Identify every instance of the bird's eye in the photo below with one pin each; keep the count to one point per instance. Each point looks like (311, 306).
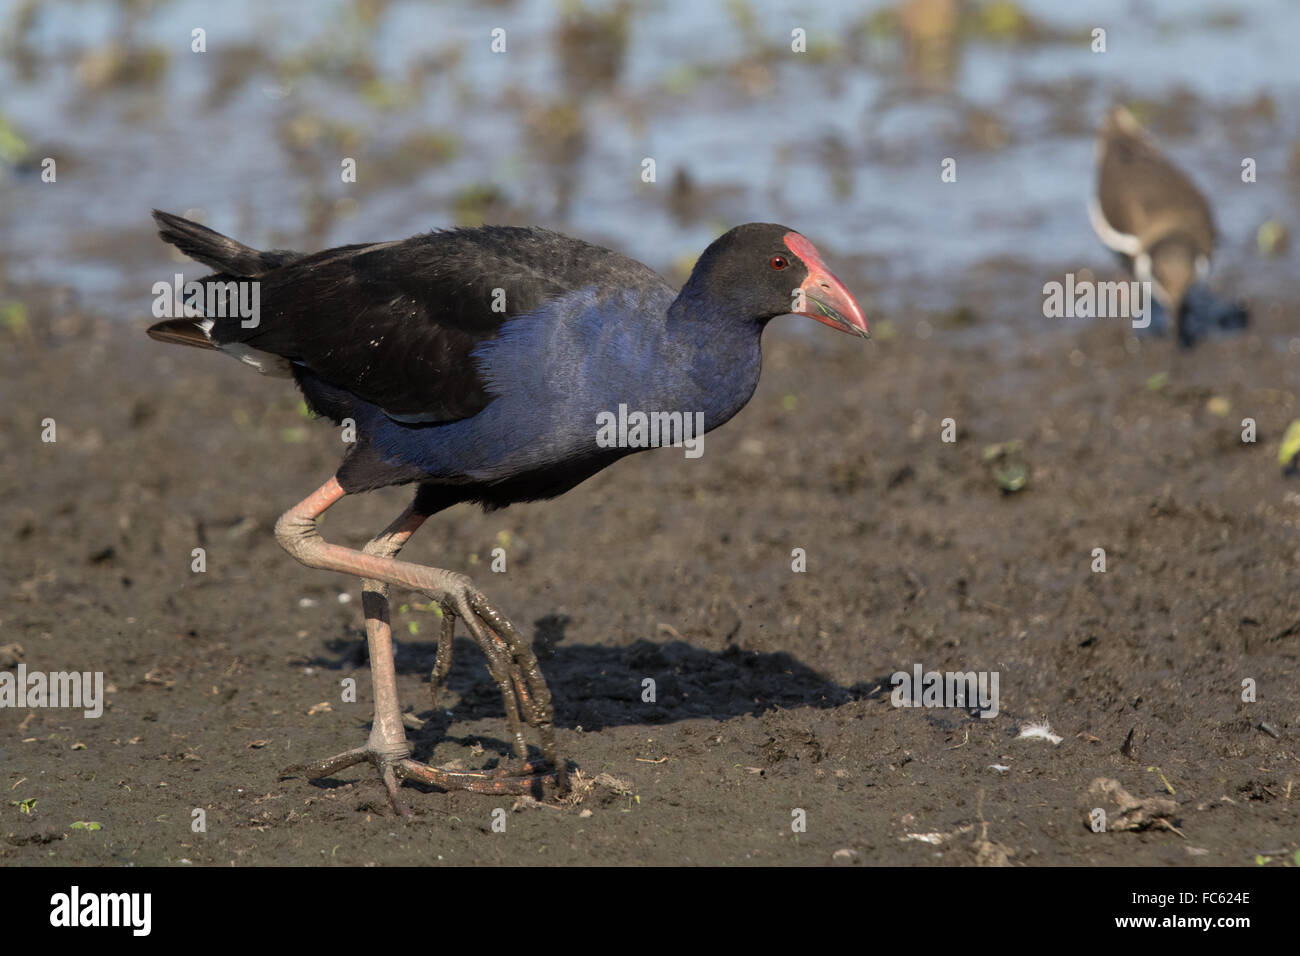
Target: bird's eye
(779, 263)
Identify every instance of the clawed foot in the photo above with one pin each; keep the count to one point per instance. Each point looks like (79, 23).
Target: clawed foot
(511, 662)
(524, 695)
(514, 778)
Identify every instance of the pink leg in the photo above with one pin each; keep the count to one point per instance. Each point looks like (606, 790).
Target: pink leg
(510, 660)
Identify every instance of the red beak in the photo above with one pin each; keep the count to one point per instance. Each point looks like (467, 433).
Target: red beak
(825, 297)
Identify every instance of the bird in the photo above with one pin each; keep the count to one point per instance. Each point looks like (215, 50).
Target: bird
(475, 364)
(1153, 217)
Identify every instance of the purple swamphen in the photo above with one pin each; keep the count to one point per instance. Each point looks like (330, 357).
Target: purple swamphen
(477, 364)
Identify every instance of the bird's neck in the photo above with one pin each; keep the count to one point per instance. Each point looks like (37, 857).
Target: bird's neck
(718, 355)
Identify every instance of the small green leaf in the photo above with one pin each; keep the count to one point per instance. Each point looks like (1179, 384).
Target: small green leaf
(13, 149)
(1012, 478)
(14, 318)
(1286, 455)
(1157, 382)
(1271, 238)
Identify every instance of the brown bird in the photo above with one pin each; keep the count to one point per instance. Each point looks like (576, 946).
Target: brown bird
(1154, 218)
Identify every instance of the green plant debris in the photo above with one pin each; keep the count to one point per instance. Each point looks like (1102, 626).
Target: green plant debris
(1007, 465)
(1012, 478)
(1290, 449)
(1163, 779)
(1272, 238)
(13, 148)
(14, 318)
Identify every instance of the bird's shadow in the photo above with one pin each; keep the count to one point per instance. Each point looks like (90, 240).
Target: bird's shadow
(596, 686)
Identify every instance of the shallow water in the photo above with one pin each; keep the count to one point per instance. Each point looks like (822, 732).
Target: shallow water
(842, 142)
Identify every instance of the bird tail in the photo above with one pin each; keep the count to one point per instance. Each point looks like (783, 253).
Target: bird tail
(181, 332)
(213, 249)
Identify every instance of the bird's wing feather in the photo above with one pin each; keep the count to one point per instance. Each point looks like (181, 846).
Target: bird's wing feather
(1143, 195)
(396, 324)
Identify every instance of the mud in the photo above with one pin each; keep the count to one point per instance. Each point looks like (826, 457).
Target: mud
(772, 687)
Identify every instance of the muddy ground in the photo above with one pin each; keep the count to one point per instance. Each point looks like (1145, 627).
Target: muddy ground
(769, 682)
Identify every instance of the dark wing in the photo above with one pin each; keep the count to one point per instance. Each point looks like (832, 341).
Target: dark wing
(396, 324)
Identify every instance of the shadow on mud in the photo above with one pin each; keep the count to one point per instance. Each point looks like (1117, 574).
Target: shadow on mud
(595, 686)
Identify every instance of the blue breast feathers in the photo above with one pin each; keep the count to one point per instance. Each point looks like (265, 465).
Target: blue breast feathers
(552, 372)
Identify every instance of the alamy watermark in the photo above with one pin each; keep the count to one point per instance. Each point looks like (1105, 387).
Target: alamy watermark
(82, 690)
(133, 911)
(640, 429)
(1086, 299)
(240, 299)
(967, 690)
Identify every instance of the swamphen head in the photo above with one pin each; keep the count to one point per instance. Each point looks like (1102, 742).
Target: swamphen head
(761, 270)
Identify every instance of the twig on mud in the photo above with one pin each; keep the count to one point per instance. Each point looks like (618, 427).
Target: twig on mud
(525, 800)
(987, 852)
(935, 837)
(918, 589)
(1168, 785)
(1166, 825)
(1126, 748)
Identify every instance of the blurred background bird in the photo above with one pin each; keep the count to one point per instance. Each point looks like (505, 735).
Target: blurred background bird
(1160, 225)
